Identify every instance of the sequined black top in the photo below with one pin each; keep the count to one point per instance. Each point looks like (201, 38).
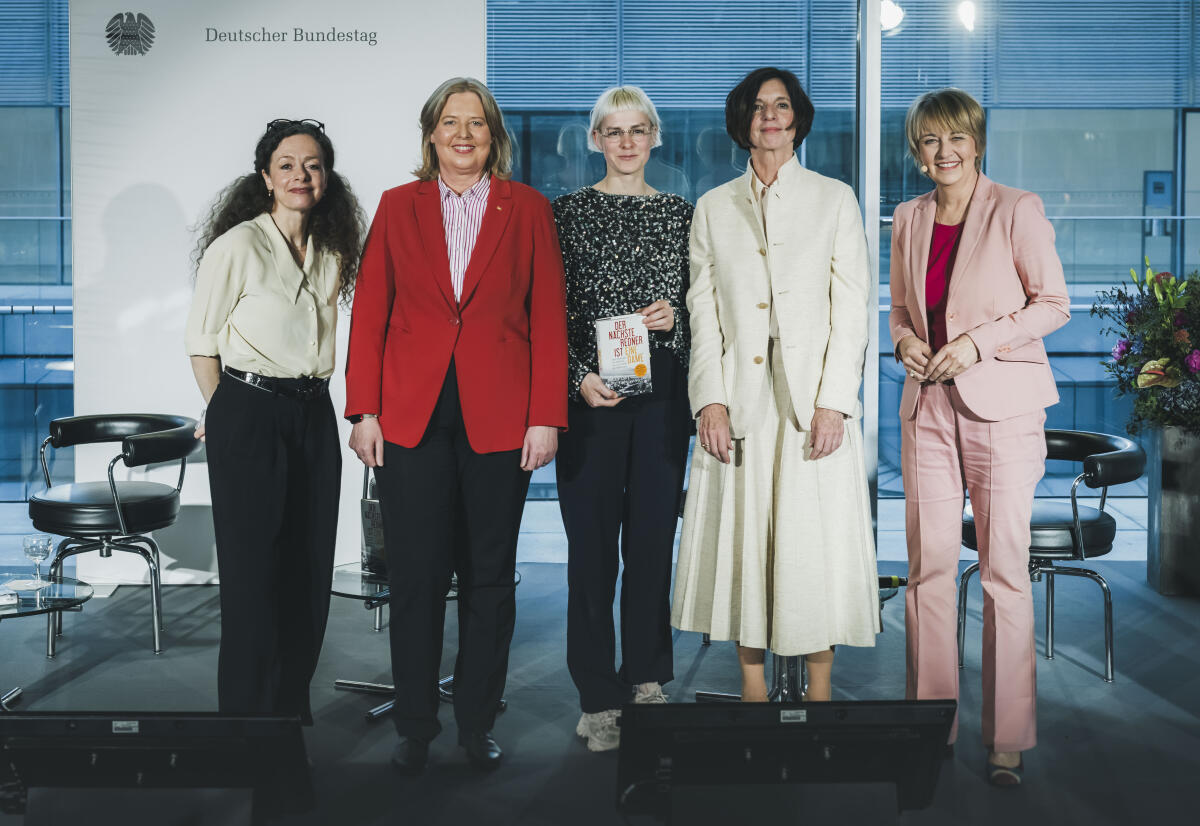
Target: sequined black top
(621, 253)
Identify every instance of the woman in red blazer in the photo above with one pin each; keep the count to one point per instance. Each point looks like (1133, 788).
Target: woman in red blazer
(976, 284)
(456, 381)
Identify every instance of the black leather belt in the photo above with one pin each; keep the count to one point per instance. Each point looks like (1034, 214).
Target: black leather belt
(304, 388)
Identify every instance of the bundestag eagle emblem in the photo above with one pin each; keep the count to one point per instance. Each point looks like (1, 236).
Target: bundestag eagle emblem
(128, 34)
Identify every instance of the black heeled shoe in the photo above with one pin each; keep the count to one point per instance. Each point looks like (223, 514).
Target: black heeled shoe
(482, 750)
(410, 755)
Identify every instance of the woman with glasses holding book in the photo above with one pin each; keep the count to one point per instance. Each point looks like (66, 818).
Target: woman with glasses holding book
(777, 550)
(278, 249)
(621, 461)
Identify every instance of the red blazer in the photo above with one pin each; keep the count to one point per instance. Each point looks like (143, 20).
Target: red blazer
(1007, 292)
(508, 335)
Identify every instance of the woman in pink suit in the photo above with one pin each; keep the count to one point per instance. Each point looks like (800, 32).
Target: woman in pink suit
(976, 284)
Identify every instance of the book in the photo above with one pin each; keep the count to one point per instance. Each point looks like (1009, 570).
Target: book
(623, 354)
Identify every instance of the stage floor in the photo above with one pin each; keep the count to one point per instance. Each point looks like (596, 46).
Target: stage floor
(1115, 753)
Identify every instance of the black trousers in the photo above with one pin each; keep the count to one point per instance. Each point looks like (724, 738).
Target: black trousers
(274, 466)
(448, 509)
(620, 472)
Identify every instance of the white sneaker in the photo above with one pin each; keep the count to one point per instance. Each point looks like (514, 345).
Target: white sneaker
(650, 693)
(602, 730)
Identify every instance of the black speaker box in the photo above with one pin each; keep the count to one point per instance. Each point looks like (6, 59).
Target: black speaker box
(170, 768)
(745, 754)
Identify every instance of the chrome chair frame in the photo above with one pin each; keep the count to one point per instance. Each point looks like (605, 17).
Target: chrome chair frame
(789, 674)
(106, 543)
(445, 685)
(1040, 566)
(789, 682)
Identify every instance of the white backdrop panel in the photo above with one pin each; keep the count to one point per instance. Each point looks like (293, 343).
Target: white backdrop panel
(156, 135)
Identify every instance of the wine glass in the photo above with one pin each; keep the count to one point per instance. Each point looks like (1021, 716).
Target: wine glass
(37, 548)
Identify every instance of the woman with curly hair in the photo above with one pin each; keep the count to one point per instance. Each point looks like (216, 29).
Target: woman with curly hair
(278, 248)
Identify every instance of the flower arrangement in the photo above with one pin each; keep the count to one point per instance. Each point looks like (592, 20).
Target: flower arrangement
(1157, 355)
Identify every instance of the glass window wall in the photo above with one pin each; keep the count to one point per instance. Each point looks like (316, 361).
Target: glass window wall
(1086, 107)
(36, 367)
(1080, 130)
(687, 56)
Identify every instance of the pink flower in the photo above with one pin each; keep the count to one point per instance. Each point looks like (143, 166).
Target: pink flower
(1120, 349)
(1193, 361)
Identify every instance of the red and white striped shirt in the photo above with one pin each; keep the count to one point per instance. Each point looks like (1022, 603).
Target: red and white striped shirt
(462, 215)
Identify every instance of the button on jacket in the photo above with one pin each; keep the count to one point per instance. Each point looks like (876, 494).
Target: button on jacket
(1007, 292)
(257, 311)
(742, 277)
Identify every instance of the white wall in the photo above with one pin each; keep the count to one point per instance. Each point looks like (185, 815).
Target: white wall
(155, 136)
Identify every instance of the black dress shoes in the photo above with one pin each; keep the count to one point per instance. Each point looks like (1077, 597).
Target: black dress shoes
(410, 755)
(482, 750)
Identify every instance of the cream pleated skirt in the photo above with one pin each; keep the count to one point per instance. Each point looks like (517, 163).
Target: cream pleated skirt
(776, 550)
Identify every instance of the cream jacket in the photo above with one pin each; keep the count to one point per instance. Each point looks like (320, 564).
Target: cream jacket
(815, 272)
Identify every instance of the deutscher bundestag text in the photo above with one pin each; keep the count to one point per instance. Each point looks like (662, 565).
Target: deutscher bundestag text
(296, 35)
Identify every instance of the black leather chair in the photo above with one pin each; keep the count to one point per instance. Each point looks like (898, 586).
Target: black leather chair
(112, 515)
(1069, 532)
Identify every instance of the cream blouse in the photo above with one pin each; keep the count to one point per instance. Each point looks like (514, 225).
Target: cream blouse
(259, 312)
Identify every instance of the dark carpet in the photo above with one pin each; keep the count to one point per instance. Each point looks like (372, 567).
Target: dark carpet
(1120, 753)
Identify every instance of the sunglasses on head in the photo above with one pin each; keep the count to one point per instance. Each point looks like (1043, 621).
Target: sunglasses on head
(280, 123)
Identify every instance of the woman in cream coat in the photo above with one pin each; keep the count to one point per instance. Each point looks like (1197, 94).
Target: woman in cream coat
(777, 548)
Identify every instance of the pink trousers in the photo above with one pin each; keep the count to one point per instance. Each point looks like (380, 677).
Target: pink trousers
(944, 449)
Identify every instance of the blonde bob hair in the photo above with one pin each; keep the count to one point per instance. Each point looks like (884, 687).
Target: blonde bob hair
(950, 109)
(499, 162)
(623, 99)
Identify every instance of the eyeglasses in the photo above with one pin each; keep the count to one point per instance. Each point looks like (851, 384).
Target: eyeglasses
(280, 123)
(638, 133)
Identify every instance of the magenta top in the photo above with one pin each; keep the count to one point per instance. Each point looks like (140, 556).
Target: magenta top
(942, 250)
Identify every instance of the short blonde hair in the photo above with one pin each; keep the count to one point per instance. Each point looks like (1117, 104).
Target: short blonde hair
(623, 99)
(951, 109)
(499, 162)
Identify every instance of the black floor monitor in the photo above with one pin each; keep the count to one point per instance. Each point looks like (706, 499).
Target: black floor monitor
(174, 764)
(666, 748)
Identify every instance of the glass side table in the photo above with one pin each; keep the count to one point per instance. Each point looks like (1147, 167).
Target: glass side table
(352, 581)
(58, 593)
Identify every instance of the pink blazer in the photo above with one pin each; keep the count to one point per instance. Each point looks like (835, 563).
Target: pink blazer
(1007, 292)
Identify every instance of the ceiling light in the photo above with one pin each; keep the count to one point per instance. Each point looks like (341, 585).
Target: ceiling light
(890, 15)
(966, 13)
